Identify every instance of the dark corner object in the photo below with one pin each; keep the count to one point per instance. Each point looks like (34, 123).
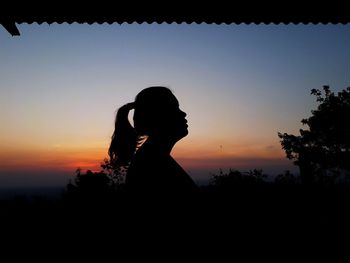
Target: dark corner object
(290, 13)
(10, 27)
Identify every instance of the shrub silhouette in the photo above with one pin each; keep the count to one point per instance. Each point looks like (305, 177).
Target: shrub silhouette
(235, 178)
(239, 184)
(286, 178)
(323, 151)
(88, 185)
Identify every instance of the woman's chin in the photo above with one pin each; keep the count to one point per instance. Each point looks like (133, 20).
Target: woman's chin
(184, 133)
(179, 134)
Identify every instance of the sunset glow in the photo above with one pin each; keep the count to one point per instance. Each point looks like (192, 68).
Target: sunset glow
(239, 85)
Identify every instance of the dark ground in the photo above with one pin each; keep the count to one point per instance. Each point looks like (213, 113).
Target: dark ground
(268, 209)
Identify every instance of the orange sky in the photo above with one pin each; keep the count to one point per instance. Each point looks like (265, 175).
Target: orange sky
(192, 154)
(239, 85)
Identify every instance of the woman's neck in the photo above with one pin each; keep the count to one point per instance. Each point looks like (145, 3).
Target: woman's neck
(160, 145)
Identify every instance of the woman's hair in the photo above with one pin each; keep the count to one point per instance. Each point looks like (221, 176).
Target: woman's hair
(126, 139)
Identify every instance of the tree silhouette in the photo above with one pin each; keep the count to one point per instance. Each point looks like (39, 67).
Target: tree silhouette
(91, 185)
(101, 187)
(235, 179)
(115, 172)
(286, 178)
(323, 151)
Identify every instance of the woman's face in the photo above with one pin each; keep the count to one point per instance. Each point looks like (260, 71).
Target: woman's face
(171, 120)
(160, 116)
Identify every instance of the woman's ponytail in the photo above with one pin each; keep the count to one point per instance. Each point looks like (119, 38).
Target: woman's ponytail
(124, 139)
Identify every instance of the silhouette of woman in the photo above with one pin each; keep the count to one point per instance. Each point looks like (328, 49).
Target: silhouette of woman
(145, 148)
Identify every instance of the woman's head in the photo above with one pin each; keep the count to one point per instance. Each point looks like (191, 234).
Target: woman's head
(156, 115)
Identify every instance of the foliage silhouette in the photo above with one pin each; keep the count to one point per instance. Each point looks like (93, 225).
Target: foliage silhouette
(110, 179)
(286, 178)
(115, 172)
(99, 189)
(323, 151)
(235, 178)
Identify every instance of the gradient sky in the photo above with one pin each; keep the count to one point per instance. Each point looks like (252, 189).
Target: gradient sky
(60, 87)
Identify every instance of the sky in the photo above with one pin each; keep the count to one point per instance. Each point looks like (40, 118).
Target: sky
(61, 84)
